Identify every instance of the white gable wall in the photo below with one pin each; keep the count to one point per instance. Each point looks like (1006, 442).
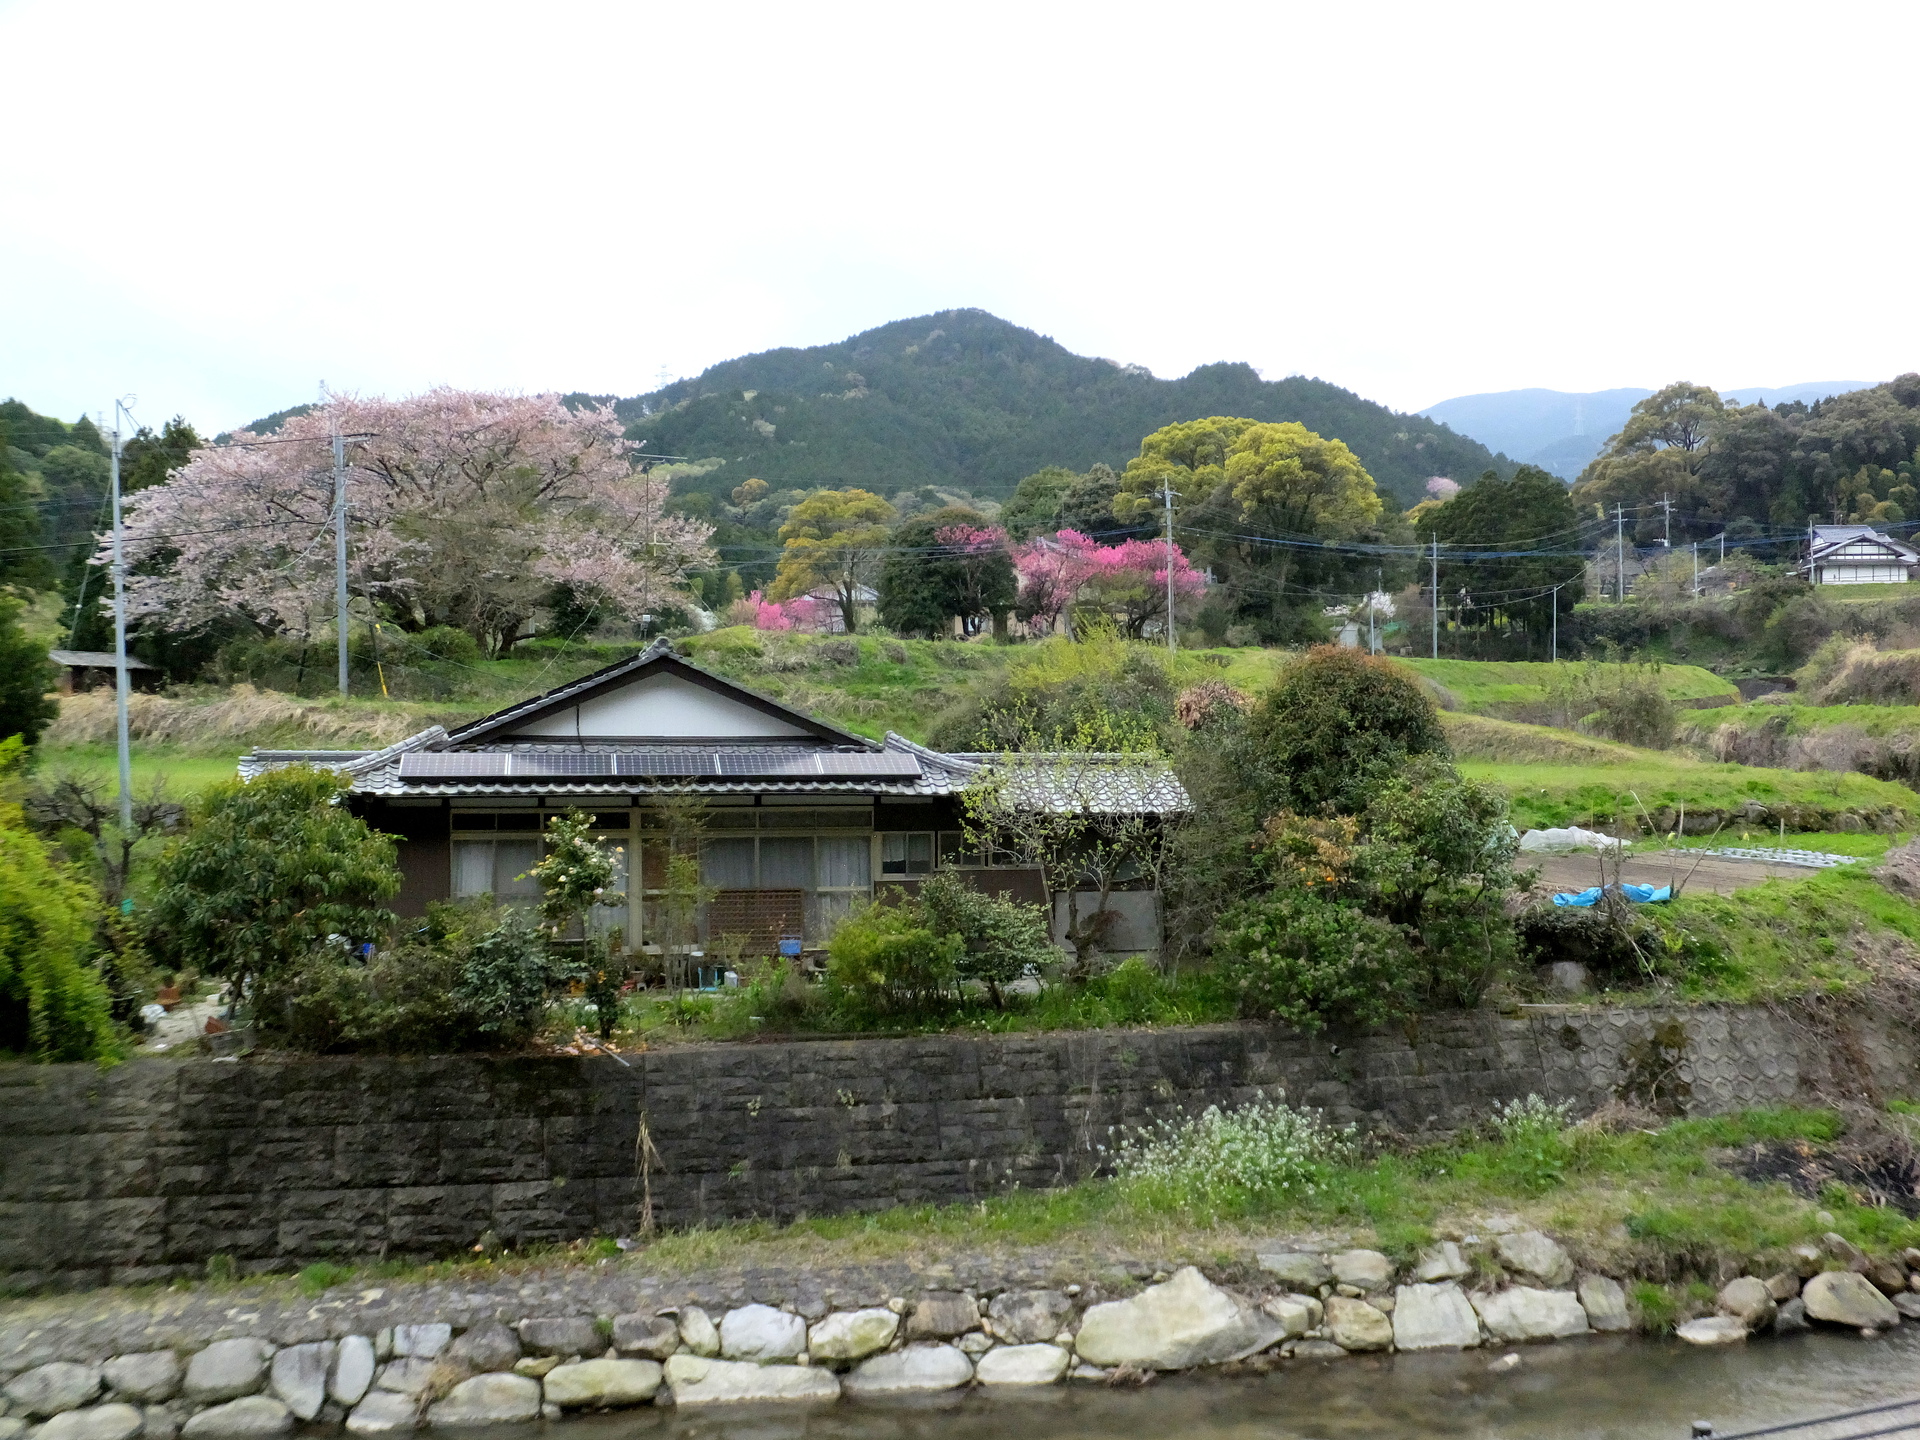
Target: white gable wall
(660, 707)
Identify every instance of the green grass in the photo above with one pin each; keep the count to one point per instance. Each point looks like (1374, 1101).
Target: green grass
(1796, 719)
(1511, 687)
(185, 773)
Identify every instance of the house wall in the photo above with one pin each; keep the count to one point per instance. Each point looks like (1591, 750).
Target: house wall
(146, 1170)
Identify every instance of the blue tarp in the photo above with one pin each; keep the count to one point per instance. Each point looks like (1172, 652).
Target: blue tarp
(1643, 894)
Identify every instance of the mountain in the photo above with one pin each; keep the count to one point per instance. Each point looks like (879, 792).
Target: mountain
(1562, 431)
(963, 399)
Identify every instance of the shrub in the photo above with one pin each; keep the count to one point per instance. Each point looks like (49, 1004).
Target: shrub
(1636, 712)
(1337, 722)
(1263, 1149)
(886, 956)
(1313, 962)
(1001, 938)
(52, 1003)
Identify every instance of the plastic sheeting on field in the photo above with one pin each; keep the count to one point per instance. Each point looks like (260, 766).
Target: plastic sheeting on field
(1560, 842)
(1640, 894)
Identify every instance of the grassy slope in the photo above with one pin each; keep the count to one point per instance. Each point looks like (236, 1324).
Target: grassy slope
(1877, 720)
(1475, 685)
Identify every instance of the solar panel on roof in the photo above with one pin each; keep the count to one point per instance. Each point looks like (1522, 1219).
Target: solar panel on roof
(769, 763)
(455, 766)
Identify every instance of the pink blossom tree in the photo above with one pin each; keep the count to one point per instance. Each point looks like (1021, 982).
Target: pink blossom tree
(1127, 581)
(464, 508)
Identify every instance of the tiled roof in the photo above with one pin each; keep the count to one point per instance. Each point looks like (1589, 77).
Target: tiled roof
(1092, 783)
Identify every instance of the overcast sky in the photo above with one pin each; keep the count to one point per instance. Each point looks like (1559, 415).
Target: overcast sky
(216, 207)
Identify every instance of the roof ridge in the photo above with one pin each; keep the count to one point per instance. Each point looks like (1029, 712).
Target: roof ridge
(373, 760)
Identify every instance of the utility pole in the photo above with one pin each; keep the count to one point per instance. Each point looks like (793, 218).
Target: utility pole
(1620, 553)
(120, 634)
(340, 548)
(1373, 634)
(1554, 653)
(1436, 594)
(1166, 494)
(1696, 569)
(1666, 508)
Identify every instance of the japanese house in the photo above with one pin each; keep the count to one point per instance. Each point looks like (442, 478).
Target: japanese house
(1857, 555)
(797, 820)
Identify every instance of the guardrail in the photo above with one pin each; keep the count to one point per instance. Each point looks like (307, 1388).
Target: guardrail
(1896, 1417)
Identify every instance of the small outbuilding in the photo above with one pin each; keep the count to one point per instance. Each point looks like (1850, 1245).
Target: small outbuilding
(82, 670)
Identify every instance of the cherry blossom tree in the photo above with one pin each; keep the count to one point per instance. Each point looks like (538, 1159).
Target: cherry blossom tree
(1127, 582)
(464, 508)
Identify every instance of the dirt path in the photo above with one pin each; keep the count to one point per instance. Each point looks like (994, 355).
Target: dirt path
(1716, 873)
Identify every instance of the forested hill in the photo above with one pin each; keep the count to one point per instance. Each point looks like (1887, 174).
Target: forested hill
(965, 399)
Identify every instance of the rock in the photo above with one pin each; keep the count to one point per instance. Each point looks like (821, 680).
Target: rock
(1442, 1262)
(561, 1335)
(1792, 1315)
(941, 1315)
(1840, 1248)
(53, 1388)
(1356, 1325)
(405, 1377)
(1523, 1313)
(651, 1337)
(1908, 1304)
(1184, 1322)
(1318, 1350)
(535, 1367)
(1504, 1364)
(1365, 1270)
(423, 1342)
(1806, 1260)
(697, 1332)
(1087, 1372)
(1291, 1314)
(1783, 1286)
(12, 1427)
(157, 1422)
(550, 1411)
(1714, 1330)
(113, 1421)
(1747, 1301)
(1297, 1268)
(238, 1419)
(149, 1377)
(1022, 1365)
(353, 1366)
(227, 1369)
(1433, 1317)
(696, 1380)
(1605, 1303)
(486, 1347)
(852, 1334)
(1024, 1317)
(1910, 1257)
(1840, 1297)
(1534, 1256)
(603, 1384)
(926, 1366)
(489, 1400)
(762, 1334)
(1888, 1278)
(298, 1376)
(384, 1411)
(383, 1345)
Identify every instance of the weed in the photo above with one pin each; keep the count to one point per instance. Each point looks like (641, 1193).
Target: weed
(323, 1276)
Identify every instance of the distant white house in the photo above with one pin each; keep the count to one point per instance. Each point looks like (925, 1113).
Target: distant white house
(1857, 555)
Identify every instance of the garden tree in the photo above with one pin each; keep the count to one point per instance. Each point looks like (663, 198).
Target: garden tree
(1126, 583)
(26, 675)
(466, 509)
(833, 539)
(1001, 939)
(575, 874)
(1531, 511)
(1335, 723)
(269, 872)
(1034, 506)
(85, 804)
(1661, 452)
(945, 565)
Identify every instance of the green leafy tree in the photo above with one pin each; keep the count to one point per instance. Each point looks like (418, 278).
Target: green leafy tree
(1661, 452)
(1531, 511)
(1309, 961)
(26, 675)
(22, 562)
(1034, 507)
(1001, 938)
(833, 539)
(1336, 724)
(947, 565)
(1087, 504)
(269, 872)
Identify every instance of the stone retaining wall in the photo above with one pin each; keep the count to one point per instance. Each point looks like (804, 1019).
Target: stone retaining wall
(147, 1170)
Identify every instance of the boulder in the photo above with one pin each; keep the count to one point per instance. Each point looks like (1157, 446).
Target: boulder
(602, 1384)
(1183, 1322)
(1888, 1277)
(1318, 1350)
(12, 1427)
(1021, 1365)
(1747, 1301)
(353, 1367)
(1791, 1316)
(227, 1369)
(1783, 1286)
(53, 1388)
(1356, 1325)
(298, 1376)
(1841, 1297)
(1442, 1262)
(1365, 1270)
(405, 1377)
(489, 1400)
(535, 1367)
(975, 1343)
(1714, 1330)
(1806, 1260)
(651, 1337)
(1024, 1317)
(762, 1334)
(486, 1347)
(148, 1377)
(852, 1334)
(158, 1422)
(1908, 1304)
(1292, 1314)
(382, 1412)
(698, 1333)
(241, 1419)
(928, 1365)
(1605, 1303)
(941, 1315)
(1433, 1317)
(1845, 1251)
(696, 1380)
(114, 1421)
(1523, 1313)
(1297, 1268)
(423, 1342)
(1534, 1256)
(561, 1335)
